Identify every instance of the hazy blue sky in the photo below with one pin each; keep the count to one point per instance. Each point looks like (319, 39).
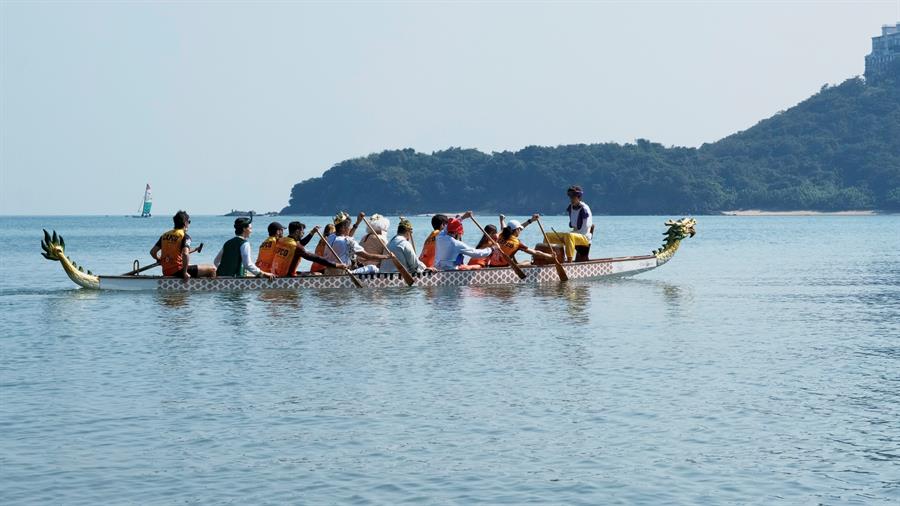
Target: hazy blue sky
(228, 104)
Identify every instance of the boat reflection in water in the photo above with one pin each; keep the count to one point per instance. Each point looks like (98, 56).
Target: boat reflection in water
(173, 300)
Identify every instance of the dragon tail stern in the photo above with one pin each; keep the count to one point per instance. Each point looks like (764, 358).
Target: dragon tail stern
(54, 249)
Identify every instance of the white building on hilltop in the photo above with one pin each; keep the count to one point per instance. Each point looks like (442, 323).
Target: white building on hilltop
(885, 50)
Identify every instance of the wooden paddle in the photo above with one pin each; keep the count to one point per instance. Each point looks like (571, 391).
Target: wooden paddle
(400, 267)
(198, 249)
(558, 238)
(353, 278)
(509, 260)
(560, 271)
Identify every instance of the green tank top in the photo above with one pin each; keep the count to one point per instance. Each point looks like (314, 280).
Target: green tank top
(231, 263)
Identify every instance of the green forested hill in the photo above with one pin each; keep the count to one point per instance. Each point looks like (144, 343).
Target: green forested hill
(839, 149)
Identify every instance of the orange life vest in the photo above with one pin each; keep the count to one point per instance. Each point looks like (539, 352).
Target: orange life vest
(320, 251)
(428, 251)
(483, 261)
(266, 254)
(171, 245)
(283, 256)
(509, 246)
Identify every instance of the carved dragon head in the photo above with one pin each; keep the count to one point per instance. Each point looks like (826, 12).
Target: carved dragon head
(677, 231)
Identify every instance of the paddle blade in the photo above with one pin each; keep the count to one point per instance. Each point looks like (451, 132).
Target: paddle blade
(518, 270)
(561, 271)
(407, 277)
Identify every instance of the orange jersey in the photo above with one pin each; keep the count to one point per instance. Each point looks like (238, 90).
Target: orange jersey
(171, 245)
(284, 256)
(266, 254)
(427, 256)
(509, 246)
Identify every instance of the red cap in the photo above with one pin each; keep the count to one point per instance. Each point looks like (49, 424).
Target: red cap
(455, 227)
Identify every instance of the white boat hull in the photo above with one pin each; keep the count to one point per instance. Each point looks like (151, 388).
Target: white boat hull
(54, 249)
(593, 269)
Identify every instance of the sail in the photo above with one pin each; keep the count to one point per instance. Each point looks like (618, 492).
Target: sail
(148, 202)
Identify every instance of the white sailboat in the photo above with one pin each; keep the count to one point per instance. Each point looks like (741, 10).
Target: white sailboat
(146, 204)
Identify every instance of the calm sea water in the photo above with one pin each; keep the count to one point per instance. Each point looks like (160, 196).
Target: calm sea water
(761, 365)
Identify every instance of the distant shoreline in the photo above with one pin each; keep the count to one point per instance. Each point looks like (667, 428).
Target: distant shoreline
(760, 212)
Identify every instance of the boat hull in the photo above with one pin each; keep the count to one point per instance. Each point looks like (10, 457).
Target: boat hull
(54, 249)
(593, 269)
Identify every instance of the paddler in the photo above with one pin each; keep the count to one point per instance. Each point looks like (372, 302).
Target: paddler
(372, 244)
(449, 249)
(236, 257)
(173, 251)
(347, 248)
(401, 246)
(438, 222)
(291, 249)
(318, 268)
(485, 242)
(510, 244)
(581, 222)
(267, 247)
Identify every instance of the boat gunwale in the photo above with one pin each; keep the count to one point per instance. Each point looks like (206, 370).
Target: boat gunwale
(376, 275)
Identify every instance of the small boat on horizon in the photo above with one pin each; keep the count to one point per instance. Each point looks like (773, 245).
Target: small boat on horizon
(54, 246)
(146, 204)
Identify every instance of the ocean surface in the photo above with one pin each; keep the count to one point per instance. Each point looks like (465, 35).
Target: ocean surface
(760, 366)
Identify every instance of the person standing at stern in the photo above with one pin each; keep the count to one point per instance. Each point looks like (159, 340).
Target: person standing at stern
(581, 222)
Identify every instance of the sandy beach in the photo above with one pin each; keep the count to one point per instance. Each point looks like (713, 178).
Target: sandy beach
(760, 212)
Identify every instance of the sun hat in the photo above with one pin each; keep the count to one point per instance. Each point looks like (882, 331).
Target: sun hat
(380, 224)
(340, 218)
(513, 224)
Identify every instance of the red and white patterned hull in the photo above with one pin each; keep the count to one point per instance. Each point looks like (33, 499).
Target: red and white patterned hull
(593, 269)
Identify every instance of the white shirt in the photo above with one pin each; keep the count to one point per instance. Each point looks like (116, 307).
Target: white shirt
(345, 246)
(587, 219)
(246, 258)
(447, 250)
(405, 253)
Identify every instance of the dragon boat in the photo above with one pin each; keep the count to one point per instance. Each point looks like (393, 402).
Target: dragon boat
(54, 247)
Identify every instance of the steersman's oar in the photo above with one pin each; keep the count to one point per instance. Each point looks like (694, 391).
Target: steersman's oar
(509, 260)
(198, 249)
(400, 267)
(353, 278)
(560, 270)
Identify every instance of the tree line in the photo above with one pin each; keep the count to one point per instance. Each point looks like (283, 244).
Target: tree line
(837, 150)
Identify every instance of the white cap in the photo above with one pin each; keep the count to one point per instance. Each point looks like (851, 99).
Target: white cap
(513, 224)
